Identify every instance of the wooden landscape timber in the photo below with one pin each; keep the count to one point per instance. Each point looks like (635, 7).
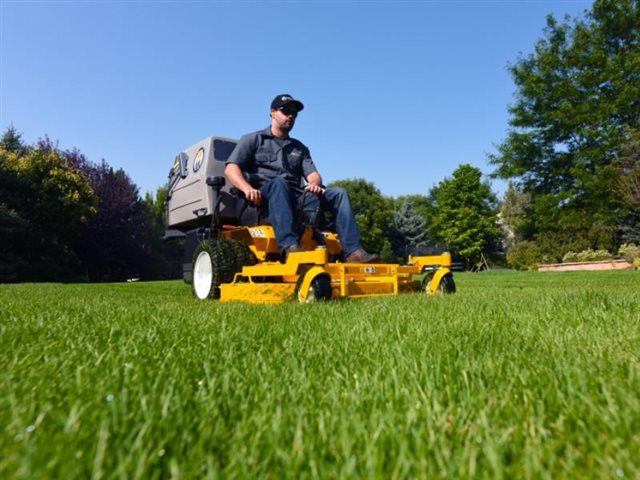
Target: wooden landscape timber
(586, 266)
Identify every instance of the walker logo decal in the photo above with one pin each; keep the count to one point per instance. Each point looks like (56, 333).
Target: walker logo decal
(197, 162)
(257, 233)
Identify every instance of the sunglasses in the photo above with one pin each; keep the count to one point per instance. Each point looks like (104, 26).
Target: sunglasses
(288, 111)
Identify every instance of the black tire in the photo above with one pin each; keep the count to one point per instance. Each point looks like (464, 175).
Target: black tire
(213, 263)
(243, 256)
(319, 290)
(447, 285)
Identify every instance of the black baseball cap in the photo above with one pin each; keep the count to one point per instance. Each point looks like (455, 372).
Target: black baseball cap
(285, 99)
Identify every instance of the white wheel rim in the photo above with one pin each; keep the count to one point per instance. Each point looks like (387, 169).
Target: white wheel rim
(311, 295)
(202, 275)
(439, 291)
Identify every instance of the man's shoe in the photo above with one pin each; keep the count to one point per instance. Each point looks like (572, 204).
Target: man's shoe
(361, 256)
(290, 249)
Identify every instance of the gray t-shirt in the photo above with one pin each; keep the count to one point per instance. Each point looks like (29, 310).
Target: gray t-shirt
(264, 156)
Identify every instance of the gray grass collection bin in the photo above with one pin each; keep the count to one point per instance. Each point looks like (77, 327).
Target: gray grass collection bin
(189, 198)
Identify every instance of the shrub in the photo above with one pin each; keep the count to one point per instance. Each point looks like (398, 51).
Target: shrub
(526, 255)
(587, 255)
(593, 256)
(555, 244)
(570, 257)
(629, 251)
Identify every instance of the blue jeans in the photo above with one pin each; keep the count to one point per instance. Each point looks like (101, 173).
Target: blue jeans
(283, 207)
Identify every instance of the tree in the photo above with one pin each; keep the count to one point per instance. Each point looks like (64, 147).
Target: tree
(515, 216)
(577, 96)
(373, 212)
(629, 181)
(464, 215)
(628, 188)
(63, 217)
(420, 203)
(411, 228)
(115, 243)
(14, 224)
(165, 256)
(11, 142)
(112, 246)
(44, 203)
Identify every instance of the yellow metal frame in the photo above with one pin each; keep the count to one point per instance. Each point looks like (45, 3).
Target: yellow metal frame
(442, 260)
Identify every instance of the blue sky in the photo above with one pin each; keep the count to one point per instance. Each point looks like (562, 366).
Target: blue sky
(397, 92)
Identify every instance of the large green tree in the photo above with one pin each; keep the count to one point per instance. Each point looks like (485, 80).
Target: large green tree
(113, 245)
(578, 96)
(628, 188)
(44, 205)
(463, 215)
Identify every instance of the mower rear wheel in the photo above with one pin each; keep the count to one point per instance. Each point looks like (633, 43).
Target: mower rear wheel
(319, 290)
(202, 284)
(243, 256)
(213, 263)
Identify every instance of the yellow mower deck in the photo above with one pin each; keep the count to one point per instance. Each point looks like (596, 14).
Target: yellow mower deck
(276, 282)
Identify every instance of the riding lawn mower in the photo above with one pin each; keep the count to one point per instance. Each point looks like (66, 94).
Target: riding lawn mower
(231, 253)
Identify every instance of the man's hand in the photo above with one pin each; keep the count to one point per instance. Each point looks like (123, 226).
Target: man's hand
(315, 189)
(236, 177)
(253, 195)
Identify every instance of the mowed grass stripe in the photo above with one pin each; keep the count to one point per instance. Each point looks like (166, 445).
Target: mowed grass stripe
(523, 375)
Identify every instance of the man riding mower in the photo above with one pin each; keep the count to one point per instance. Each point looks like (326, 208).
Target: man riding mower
(232, 253)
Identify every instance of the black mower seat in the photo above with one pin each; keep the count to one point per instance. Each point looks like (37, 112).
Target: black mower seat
(236, 210)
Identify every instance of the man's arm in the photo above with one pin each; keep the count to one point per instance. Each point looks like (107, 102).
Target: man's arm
(236, 177)
(314, 181)
(239, 160)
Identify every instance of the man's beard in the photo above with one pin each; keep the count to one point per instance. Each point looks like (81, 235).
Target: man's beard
(286, 127)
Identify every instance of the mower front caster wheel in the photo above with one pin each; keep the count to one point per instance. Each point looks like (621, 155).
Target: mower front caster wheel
(319, 290)
(447, 285)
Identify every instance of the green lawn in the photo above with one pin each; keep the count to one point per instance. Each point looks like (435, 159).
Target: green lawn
(518, 375)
